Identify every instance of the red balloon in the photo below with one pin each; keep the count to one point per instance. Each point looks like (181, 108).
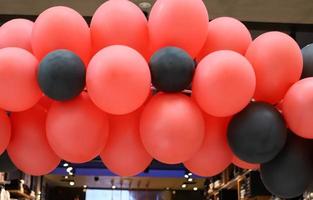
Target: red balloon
(129, 27)
(118, 80)
(226, 33)
(297, 108)
(244, 165)
(124, 153)
(45, 102)
(61, 28)
(5, 131)
(172, 128)
(277, 62)
(224, 83)
(215, 155)
(184, 25)
(19, 87)
(29, 149)
(77, 130)
(16, 33)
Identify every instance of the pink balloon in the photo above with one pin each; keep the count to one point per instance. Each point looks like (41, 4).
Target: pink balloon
(61, 28)
(16, 33)
(297, 108)
(77, 130)
(215, 155)
(29, 149)
(184, 25)
(224, 83)
(124, 153)
(118, 79)
(244, 165)
(18, 77)
(277, 62)
(172, 128)
(129, 27)
(226, 33)
(5, 131)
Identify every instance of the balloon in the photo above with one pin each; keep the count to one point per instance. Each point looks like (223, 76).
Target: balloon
(6, 164)
(61, 75)
(297, 108)
(214, 155)
(226, 33)
(16, 33)
(45, 102)
(118, 80)
(61, 28)
(244, 165)
(5, 131)
(19, 88)
(124, 153)
(277, 62)
(258, 133)
(171, 69)
(184, 25)
(307, 54)
(77, 130)
(129, 27)
(172, 128)
(290, 173)
(223, 83)
(29, 149)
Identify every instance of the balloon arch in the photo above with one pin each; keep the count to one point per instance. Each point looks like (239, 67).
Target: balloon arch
(75, 92)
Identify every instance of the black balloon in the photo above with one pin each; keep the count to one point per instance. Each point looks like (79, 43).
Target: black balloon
(61, 75)
(171, 69)
(258, 133)
(6, 164)
(307, 54)
(291, 172)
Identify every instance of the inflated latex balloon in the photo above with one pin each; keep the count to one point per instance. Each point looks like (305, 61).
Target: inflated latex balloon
(5, 131)
(118, 79)
(16, 33)
(214, 156)
(184, 25)
(172, 128)
(171, 69)
(277, 62)
(244, 165)
(297, 108)
(61, 75)
(290, 173)
(223, 83)
(77, 130)
(29, 149)
(307, 54)
(124, 153)
(19, 87)
(61, 28)
(119, 23)
(45, 102)
(258, 133)
(226, 33)
(6, 164)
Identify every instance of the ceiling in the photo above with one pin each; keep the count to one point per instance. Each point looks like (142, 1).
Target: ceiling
(276, 11)
(129, 183)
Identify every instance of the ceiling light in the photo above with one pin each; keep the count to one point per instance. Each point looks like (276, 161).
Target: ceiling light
(66, 177)
(85, 186)
(167, 188)
(72, 183)
(190, 179)
(113, 187)
(186, 176)
(195, 189)
(71, 174)
(189, 174)
(184, 185)
(65, 164)
(69, 169)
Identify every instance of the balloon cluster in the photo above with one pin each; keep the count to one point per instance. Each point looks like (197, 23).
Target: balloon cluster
(75, 92)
